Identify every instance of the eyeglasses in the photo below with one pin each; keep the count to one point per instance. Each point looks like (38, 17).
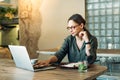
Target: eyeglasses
(72, 27)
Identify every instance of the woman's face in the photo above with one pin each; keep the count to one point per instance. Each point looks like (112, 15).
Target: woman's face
(74, 27)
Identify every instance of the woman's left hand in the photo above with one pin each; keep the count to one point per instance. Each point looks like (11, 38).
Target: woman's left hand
(84, 36)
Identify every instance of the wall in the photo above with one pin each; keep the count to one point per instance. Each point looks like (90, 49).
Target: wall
(14, 2)
(54, 20)
(43, 23)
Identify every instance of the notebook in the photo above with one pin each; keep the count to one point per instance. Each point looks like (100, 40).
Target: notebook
(22, 59)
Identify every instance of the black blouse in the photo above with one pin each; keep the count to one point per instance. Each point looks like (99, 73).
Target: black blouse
(75, 54)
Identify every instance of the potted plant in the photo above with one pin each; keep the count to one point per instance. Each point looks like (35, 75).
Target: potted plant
(7, 15)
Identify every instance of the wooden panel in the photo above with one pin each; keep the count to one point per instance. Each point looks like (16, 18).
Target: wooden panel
(30, 25)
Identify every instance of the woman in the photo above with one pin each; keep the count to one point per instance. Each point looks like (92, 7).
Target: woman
(79, 46)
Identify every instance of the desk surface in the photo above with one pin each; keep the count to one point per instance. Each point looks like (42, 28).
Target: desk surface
(8, 71)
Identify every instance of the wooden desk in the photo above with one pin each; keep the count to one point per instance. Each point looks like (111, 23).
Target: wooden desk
(8, 71)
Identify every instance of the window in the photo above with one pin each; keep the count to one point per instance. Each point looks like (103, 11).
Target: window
(103, 21)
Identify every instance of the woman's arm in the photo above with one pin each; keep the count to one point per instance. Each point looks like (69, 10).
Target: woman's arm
(88, 47)
(91, 49)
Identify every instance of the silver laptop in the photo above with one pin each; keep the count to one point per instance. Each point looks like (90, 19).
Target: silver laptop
(22, 59)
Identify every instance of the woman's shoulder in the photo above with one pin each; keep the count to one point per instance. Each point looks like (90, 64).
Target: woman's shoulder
(93, 39)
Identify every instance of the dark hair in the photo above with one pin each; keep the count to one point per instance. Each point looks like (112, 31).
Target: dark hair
(77, 18)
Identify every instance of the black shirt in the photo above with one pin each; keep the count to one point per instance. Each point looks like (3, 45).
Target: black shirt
(75, 54)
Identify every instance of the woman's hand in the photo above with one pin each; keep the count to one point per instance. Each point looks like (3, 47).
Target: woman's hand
(40, 63)
(84, 36)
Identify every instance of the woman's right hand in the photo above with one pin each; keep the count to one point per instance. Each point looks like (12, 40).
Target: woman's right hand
(40, 63)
